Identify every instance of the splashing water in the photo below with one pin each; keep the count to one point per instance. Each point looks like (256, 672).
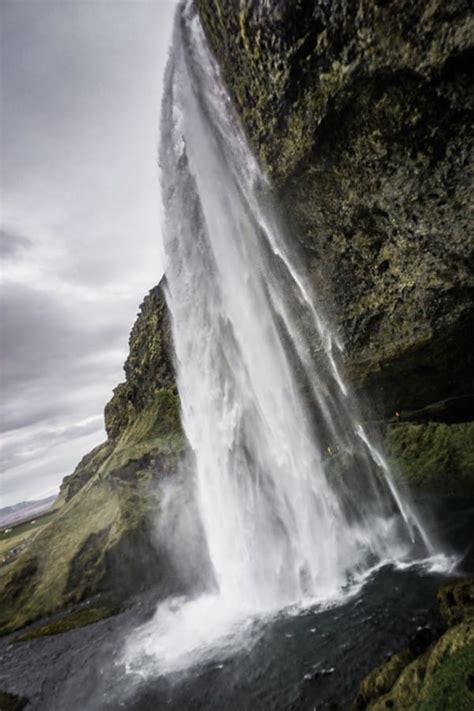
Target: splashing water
(296, 502)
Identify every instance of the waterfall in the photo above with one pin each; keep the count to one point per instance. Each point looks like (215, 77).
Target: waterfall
(295, 500)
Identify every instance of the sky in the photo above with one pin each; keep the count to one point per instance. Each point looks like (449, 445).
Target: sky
(80, 241)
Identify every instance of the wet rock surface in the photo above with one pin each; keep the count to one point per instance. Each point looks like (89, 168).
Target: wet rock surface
(361, 113)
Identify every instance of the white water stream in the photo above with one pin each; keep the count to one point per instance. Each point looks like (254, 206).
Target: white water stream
(295, 501)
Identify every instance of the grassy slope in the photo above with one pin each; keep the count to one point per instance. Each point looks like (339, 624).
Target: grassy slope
(70, 557)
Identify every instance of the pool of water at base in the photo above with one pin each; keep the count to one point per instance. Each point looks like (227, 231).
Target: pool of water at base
(311, 659)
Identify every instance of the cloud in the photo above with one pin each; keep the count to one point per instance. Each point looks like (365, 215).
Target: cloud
(81, 85)
(11, 244)
(42, 333)
(19, 447)
(46, 467)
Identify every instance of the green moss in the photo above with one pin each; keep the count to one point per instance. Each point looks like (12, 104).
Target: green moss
(441, 676)
(155, 431)
(452, 686)
(160, 421)
(84, 472)
(456, 601)
(438, 679)
(80, 618)
(35, 584)
(381, 680)
(433, 456)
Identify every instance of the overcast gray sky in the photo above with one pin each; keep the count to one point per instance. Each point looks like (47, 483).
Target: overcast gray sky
(80, 237)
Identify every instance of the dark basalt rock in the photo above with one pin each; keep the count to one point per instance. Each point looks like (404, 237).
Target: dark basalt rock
(361, 113)
(86, 615)
(420, 641)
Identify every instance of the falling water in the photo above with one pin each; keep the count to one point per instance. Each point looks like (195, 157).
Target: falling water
(296, 502)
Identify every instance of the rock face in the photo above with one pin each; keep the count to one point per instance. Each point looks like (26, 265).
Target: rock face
(433, 456)
(361, 114)
(103, 535)
(148, 368)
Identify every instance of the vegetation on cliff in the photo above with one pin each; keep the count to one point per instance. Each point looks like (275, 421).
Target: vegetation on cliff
(433, 672)
(101, 536)
(433, 456)
(148, 368)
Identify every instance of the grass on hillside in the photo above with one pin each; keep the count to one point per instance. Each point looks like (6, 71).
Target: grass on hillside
(15, 535)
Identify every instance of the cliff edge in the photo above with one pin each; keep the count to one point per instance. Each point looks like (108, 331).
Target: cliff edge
(102, 537)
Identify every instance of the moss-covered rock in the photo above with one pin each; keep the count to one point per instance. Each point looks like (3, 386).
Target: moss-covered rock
(149, 366)
(84, 471)
(437, 680)
(433, 455)
(361, 114)
(432, 677)
(456, 601)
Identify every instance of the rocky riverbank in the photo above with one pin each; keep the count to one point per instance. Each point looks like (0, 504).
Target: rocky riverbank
(436, 670)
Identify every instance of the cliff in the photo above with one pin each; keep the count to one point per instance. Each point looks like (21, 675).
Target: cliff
(102, 538)
(361, 114)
